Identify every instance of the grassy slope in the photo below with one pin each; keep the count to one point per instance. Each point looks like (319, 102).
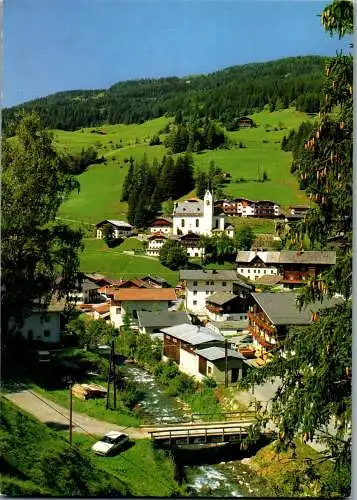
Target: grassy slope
(99, 197)
(97, 257)
(141, 469)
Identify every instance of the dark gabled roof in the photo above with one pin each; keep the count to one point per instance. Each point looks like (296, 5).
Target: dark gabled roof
(157, 279)
(215, 353)
(162, 319)
(281, 308)
(268, 279)
(288, 257)
(116, 223)
(221, 298)
(193, 334)
(214, 275)
(89, 285)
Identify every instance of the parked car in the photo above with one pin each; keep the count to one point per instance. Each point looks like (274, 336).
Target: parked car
(110, 443)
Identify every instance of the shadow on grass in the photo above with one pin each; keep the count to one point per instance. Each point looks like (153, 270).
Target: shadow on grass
(57, 426)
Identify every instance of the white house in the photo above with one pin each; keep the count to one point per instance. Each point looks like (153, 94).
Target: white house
(119, 227)
(44, 325)
(131, 300)
(161, 225)
(201, 283)
(155, 242)
(88, 293)
(196, 216)
(200, 352)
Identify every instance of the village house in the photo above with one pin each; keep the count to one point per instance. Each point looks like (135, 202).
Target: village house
(293, 266)
(155, 242)
(161, 225)
(243, 207)
(201, 283)
(43, 325)
(131, 300)
(153, 322)
(153, 281)
(200, 352)
(272, 314)
(191, 243)
(119, 228)
(87, 293)
(226, 306)
(298, 210)
(245, 122)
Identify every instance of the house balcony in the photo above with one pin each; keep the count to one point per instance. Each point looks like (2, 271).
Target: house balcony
(259, 320)
(261, 338)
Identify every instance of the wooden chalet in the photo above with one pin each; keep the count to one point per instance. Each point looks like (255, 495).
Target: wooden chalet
(245, 122)
(272, 314)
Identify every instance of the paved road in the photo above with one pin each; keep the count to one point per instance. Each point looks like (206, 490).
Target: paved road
(58, 417)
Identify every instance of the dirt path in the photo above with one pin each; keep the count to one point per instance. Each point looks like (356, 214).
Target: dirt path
(58, 417)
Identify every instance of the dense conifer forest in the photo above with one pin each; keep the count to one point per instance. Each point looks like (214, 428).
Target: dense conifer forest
(224, 96)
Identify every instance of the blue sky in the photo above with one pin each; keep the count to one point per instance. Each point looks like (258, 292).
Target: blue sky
(53, 45)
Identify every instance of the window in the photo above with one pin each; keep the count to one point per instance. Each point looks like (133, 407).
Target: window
(47, 333)
(47, 319)
(195, 292)
(248, 270)
(117, 310)
(196, 254)
(197, 222)
(207, 282)
(195, 283)
(224, 283)
(195, 302)
(182, 222)
(209, 370)
(242, 270)
(212, 283)
(265, 271)
(207, 292)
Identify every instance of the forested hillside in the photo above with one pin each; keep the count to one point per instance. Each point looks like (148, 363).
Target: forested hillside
(223, 95)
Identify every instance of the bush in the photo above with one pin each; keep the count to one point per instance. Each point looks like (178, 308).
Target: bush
(182, 384)
(209, 382)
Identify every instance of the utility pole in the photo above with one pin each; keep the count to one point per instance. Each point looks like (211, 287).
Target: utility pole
(70, 411)
(226, 363)
(109, 375)
(114, 381)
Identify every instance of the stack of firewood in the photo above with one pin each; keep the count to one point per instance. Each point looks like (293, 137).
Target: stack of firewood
(87, 391)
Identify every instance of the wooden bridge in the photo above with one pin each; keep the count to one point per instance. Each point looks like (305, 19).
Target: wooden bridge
(200, 433)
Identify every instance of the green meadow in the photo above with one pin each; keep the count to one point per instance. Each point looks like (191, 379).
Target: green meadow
(115, 264)
(99, 196)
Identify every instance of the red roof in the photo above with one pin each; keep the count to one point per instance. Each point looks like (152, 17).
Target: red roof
(145, 294)
(103, 308)
(157, 236)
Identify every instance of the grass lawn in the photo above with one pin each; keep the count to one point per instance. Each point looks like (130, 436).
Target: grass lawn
(97, 257)
(258, 226)
(148, 472)
(101, 185)
(92, 407)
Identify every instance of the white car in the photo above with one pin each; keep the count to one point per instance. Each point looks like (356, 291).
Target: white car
(112, 441)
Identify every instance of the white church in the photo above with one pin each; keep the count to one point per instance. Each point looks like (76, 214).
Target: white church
(190, 219)
(197, 216)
